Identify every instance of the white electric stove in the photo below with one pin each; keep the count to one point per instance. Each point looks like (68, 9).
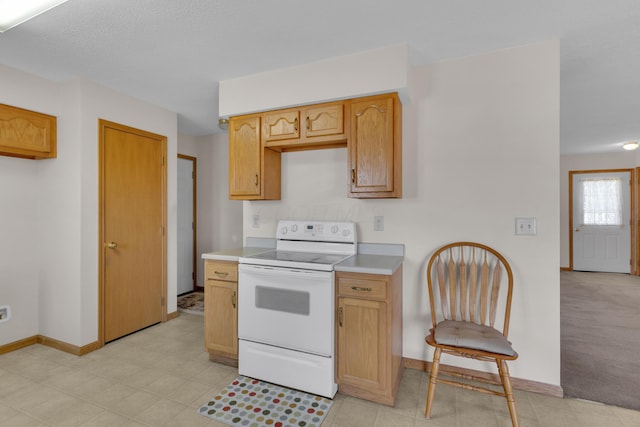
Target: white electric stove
(286, 306)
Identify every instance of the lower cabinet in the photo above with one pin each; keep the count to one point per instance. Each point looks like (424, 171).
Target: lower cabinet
(369, 335)
(221, 312)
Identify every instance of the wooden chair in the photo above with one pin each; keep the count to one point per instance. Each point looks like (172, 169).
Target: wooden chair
(469, 283)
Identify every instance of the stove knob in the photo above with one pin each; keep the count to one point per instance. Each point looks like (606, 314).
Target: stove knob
(334, 229)
(283, 230)
(294, 228)
(346, 232)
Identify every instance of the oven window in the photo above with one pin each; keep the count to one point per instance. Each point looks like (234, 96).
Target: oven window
(296, 302)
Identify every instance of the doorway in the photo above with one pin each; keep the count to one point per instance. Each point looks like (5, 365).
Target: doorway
(132, 230)
(187, 223)
(600, 211)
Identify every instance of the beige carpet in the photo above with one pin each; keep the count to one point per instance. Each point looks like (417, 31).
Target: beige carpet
(192, 303)
(600, 337)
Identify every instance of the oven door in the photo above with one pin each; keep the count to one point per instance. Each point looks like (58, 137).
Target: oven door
(287, 308)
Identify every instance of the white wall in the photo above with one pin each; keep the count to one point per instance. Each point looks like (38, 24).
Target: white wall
(374, 71)
(219, 219)
(618, 160)
(24, 209)
(480, 147)
(49, 260)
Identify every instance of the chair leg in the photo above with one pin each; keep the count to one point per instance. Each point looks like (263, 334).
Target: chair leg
(506, 384)
(432, 381)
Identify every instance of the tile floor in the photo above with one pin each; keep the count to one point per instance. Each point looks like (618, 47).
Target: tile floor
(161, 376)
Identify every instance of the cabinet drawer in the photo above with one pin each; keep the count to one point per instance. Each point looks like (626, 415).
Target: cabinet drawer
(221, 270)
(357, 288)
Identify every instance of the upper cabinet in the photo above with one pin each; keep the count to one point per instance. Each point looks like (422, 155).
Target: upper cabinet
(375, 147)
(371, 129)
(254, 172)
(314, 126)
(27, 134)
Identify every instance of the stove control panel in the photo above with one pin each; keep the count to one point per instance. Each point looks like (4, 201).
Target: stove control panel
(317, 231)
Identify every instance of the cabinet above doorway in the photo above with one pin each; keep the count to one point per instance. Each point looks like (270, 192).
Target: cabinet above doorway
(370, 128)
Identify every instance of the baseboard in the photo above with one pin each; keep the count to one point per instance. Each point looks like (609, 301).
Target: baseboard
(566, 269)
(17, 345)
(50, 342)
(68, 348)
(517, 383)
(60, 345)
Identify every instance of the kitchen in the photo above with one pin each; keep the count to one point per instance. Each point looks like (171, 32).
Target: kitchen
(445, 106)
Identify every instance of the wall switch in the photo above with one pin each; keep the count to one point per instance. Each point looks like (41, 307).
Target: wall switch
(378, 223)
(526, 226)
(256, 221)
(5, 313)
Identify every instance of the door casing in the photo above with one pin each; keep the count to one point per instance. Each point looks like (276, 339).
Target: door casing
(635, 239)
(103, 125)
(194, 162)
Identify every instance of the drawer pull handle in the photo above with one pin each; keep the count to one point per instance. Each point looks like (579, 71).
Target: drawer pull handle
(295, 124)
(221, 273)
(233, 299)
(340, 314)
(361, 289)
(353, 176)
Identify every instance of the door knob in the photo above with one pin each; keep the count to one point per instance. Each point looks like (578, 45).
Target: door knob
(112, 245)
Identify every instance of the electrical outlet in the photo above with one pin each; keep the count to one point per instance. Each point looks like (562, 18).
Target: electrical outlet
(378, 223)
(256, 221)
(5, 313)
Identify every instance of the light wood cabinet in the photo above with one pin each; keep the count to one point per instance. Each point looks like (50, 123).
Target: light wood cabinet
(27, 134)
(371, 129)
(375, 147)
(304, 128)
(369, 335)
(254, 171)
(221, 311)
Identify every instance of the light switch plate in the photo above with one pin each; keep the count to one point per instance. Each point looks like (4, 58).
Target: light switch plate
(526, 226)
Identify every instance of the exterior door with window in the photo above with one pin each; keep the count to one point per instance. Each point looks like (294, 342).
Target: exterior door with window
(601, 222)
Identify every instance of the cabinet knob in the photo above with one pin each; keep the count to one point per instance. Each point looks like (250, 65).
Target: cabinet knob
(111, 245)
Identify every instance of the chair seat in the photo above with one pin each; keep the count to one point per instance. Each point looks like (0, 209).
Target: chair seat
(471, 335)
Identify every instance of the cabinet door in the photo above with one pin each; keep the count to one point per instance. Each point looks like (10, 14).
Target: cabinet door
(244, 156)
(362, 343)
(281, 125)
(28, 134)
(221, 317)
(374, 147)
(323, 120)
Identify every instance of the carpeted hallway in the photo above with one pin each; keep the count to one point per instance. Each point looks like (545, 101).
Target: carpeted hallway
(600, 337)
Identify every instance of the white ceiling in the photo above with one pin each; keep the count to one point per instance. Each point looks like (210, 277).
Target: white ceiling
(173, 53)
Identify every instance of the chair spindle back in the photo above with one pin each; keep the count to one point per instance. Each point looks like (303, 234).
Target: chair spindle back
(470, 278)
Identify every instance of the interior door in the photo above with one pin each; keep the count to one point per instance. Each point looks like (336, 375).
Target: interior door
(132, 229)
(601, 247)
(186, 224)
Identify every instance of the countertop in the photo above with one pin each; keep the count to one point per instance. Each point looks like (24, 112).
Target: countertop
(372, 258)
(234, 254)
(371, 264)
